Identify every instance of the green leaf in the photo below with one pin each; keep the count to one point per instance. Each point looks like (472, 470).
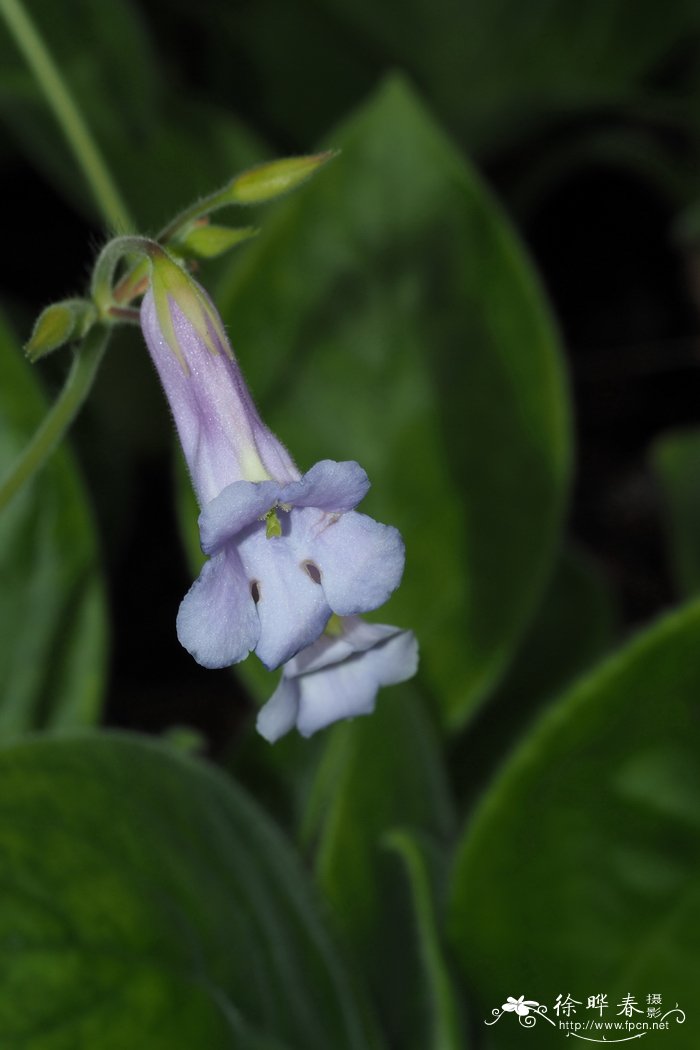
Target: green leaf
(52, 607)
(573, 627)
(579, 871)
(446, 1030)
(148, 902)
(375, 774)
(389, 316)
(676, 462)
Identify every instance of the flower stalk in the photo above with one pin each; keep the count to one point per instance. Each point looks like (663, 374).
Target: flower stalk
(86, 362)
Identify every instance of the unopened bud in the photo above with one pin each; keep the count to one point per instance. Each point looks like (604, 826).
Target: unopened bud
(267, 181)
(58, 324)
(206, 242)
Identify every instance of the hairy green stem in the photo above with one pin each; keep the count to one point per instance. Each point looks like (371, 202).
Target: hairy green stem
(110, 257)
(64, 410)
(60, 100)
(199, 210)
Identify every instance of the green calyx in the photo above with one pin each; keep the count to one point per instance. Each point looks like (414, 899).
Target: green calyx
(125, 268)
(170, 283)
(190, 235)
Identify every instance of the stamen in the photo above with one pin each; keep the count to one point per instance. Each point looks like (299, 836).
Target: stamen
(255, 591)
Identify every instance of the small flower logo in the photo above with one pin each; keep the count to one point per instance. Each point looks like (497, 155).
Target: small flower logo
(520, 1006)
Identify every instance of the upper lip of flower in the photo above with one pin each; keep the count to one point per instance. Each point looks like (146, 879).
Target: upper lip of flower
(328, 486)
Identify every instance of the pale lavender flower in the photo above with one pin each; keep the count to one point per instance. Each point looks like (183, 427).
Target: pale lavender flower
(338, 677)
(286, 551)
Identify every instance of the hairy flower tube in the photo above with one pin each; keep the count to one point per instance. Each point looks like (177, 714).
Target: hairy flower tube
(286, 550)
(338, 677)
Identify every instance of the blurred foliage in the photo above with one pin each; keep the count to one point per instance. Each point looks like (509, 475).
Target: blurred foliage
(376, 774)
(676, 460)
(575, 624)
(52, 602)
(495, 71)
(443, 1026)
(597, 813)
(161, 926)
(515, 820)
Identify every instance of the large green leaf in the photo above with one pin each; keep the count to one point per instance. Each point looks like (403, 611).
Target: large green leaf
(389, 315)
(573, 627)
(676, 460)
(147, 902)
(580, 871)
(377, 774)
(445, 1030)
(52, 612)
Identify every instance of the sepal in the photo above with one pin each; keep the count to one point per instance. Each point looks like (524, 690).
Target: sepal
(170, 283)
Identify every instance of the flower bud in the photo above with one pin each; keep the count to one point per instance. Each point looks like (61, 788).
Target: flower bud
(58, 324)
(268, 181)
(206, 242)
